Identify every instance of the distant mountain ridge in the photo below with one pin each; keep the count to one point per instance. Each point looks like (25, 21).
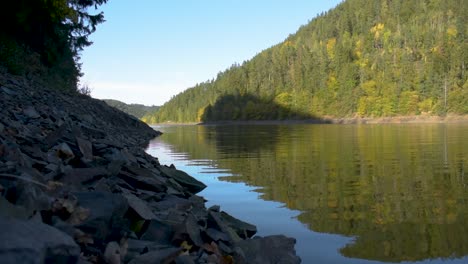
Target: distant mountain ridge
(363, 58)
(136, 110)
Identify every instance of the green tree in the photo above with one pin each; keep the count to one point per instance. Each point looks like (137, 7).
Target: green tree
(56, 30)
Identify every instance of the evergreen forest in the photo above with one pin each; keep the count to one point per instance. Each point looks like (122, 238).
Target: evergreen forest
(379, 58)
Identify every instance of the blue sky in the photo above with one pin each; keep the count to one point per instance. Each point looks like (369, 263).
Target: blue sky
(150, 50)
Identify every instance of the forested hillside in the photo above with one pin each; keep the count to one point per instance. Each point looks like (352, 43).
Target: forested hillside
(361, 59)
(136, 110)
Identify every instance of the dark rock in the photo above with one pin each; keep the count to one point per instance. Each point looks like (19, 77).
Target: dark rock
(53, 158)
(83, 175)
(175, 189)
(203, 258)
(142, 161)
(102, 185)
(114, 154)
(31, 112)
(193, 230)
(216, 235)
(86, 148)
(270, 249)
(213, 258)
(150, 196)
(172, 217)
(8, 91)
(184, 259)
(33, 242)
(183, 179)
(215, 208)
(243, 229)
(239, 255)
(32, 196)
(53, 137)
(173, 202)
(83, 261)
(156, 257)
(158, 231)
(12, 152)
(197, 200)
(114, 167)
(104, 209)
(63, 226)
(112, 254)
(137, 171)
(64, 152)
(13, 211)
(100, 147)
(93, 132)
(51, 167)
(140, 207)
(118, 185)
(144, 183)
(129, 156)
(224, 248)
(137, 247)
(216, 221)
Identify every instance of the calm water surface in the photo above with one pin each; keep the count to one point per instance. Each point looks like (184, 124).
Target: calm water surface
(347, 193)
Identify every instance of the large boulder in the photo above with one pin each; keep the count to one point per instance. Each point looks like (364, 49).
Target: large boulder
(158, 231)
(167, 255)
(32, 242)
(270, 249)
(140, 207)
(243, 229)
(105, 209)
(187, 181)
(136, 247)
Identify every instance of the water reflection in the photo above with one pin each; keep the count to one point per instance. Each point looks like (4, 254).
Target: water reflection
(400, 190)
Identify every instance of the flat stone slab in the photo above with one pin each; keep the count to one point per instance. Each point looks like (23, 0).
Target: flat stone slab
(187, 181)
(243, 229)
(140, 207)
(31, 242)
(270, 249)
(167, 255)
(104, 209)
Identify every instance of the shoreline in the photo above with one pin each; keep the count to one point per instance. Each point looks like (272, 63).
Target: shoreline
(414, 119)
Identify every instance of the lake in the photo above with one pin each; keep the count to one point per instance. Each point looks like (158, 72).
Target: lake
(347, 193)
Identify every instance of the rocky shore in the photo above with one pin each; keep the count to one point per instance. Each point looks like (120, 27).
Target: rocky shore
(76, 186)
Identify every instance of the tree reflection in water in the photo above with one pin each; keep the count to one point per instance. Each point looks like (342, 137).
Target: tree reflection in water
(399, 189)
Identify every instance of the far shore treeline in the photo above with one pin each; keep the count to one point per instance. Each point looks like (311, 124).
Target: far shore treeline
(362, 59)
(136, 110)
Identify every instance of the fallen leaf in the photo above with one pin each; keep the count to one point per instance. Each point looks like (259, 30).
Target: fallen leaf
(228, 259)
(83, 238)
(212, 248)
(186, 246)
(52, 185)
(137, 226)
(78, 216)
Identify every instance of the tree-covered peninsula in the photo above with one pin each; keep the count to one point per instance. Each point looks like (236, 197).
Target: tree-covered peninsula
(362, 59)
(136, 110)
